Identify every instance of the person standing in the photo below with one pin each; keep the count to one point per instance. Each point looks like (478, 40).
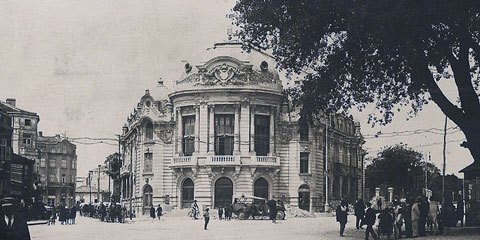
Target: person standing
(370, 218)
(13, 225)
(415, 217)
(159, 211)
(220, 213)
(459, 213)
(433, 211)
(206, 216)
(272, 205)
(342, 213)
(359, 208)
(73, 214)
(398, 222)
(152, 212)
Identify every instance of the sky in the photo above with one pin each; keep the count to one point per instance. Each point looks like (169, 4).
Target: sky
(82, 66)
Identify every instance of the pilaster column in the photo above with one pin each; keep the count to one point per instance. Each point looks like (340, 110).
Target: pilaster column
(236, 133)
(245, 127)
(272, 132)
(179, 132)
(211, 129)
(197, 128)
(203, 128)
(252, 129)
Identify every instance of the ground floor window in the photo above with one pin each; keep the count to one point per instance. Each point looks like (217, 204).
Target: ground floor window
(260, 188)
(147, 199)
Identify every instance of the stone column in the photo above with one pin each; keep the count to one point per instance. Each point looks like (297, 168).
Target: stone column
(211, 129)
(179, 132)
(203, 128)
(252, 129)
(236, 132)
(197, 128)
(272, 132)
(245, 128)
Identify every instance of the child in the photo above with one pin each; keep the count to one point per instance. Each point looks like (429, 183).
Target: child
(206, 216)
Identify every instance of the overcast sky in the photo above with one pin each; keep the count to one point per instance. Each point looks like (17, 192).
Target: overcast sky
(83, 66)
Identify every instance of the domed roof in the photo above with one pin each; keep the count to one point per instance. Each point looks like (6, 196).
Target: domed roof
(234, 49)
(160, 92)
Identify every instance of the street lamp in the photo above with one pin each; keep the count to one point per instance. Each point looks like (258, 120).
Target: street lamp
(98, 184)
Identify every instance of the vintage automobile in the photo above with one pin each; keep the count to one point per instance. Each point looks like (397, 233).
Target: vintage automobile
(255, 207)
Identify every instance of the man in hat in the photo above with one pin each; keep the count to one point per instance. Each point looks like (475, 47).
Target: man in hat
(12, 224)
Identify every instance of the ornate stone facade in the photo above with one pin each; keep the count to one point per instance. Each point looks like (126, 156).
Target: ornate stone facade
(226, 130)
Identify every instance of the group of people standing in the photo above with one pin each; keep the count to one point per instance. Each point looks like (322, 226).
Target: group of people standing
(156, 213)
(66, 215)
(408, 218)
(106, 213)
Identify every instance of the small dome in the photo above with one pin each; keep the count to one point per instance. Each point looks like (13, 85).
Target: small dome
(160, 92)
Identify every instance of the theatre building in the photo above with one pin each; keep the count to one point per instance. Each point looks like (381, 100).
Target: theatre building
(226, 129)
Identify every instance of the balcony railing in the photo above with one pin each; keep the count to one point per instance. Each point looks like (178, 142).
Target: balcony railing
(265, 161)
(183, 161)
(223, 160)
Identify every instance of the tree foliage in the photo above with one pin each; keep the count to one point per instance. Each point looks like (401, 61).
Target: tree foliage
(390, 53)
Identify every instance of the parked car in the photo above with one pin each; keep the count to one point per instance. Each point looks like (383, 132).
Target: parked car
(255, 207)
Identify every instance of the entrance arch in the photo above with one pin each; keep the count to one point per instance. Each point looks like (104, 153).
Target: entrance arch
(223, 192)
(188, 190)
(304, 197)
(147, 199)
(260, 188)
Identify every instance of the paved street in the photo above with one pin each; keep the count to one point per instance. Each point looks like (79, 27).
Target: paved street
(176, 227)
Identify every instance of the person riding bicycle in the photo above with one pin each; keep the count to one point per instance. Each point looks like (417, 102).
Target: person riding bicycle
(195, 209)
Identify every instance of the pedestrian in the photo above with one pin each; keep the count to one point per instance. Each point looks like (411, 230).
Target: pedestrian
(152, 212)
(220, 213)
(423, 206)
(67, 215)
(206, 216)
(159, 211)
(228, 211)
(407, 216)
(73, 214)
(272, 205)
(342, 213)
(195, 209)
(459, 213)
(415, 217)
(433, 211)
(359, 208)
(386, 222)
(398, 222)
(13, 225)
(369, 220)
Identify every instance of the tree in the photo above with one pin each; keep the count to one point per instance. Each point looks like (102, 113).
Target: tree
(390, 53)
(399, 167)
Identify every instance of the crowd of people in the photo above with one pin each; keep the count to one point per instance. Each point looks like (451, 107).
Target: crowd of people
(111, 212)
(65, 215)
(403, 218)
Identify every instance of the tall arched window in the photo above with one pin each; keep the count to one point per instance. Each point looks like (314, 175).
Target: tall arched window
(149, 131)
(260, 188)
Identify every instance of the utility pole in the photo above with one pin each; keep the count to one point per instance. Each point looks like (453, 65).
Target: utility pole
(90, 184)
(98, 184)
(444, 157)
(426, 174)
(327, 206)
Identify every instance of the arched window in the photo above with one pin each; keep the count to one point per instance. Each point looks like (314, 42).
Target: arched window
(149, 131)
(223, 192)
(187, 193)
(260, 188)
(304, 197)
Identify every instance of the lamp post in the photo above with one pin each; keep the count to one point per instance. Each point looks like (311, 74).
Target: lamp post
(90, 184)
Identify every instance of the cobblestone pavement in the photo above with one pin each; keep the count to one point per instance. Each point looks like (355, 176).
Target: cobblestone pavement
(174, 227)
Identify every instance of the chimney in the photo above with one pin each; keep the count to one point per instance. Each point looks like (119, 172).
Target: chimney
(40, 134)
(11, 101)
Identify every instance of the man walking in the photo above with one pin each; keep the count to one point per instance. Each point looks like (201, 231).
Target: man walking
(159, 211)
(370, 218)
(415, 217)
(359, 209)
(342, 213)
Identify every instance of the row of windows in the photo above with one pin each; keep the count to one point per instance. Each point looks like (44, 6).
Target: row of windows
(52, 163)
(224, 134)
(63, 179)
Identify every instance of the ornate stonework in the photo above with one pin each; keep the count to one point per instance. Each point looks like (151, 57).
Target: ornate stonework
(285, 133)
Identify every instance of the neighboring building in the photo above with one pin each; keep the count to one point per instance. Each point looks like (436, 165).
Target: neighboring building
(228, 130)
(102, 194)
(57, 169)
(6, 131)
(21, 178)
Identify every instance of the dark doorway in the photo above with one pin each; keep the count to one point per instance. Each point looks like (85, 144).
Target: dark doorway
(260, 188)
(304, 197)
(187, 193)
(147, 199)
(223, 192)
